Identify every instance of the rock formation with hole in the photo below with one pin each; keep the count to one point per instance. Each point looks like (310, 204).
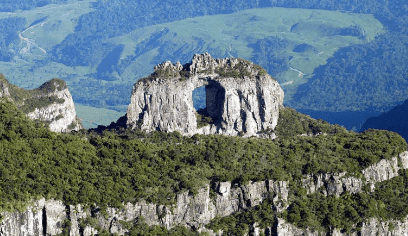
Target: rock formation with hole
(241, 98)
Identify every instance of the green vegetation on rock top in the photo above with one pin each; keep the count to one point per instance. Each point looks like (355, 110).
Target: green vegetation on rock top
(127, 166)
(29, 100)
(320, 213)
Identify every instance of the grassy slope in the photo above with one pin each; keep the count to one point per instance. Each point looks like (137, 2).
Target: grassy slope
(221, 35)
(92, 117)
(232, 34)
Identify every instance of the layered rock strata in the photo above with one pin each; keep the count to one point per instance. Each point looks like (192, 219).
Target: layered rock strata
(49, 217)
(241, 98)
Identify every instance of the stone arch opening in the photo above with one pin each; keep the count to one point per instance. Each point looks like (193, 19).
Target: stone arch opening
(215, 97)
(208, 101)
(200, 105)
(199, 98)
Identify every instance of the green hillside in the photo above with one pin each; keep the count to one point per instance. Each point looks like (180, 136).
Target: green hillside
(286, 42)
(393, 120)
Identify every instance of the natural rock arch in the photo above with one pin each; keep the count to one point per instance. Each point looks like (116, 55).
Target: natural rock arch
(241, 98)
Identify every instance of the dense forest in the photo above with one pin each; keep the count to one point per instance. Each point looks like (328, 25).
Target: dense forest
(9, 28)
(118, 166)
(14, 5)
(393, 120)
(360, 77)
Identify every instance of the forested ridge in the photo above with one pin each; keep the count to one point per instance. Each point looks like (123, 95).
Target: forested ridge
(118, 166)
(393, 120)
(121, 166)
(360, 77)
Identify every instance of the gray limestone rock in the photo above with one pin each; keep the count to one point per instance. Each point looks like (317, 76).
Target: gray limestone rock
(254, 193)
(241, 98)
(30, 222)
(404, 159)
(388, 228)
(47, 217)
(337, 183)
(280, 192)
(332, 183)
(381, 171)
(286, 229)
(55, 215)
(61, 116)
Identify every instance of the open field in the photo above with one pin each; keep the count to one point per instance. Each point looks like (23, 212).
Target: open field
(91, 117)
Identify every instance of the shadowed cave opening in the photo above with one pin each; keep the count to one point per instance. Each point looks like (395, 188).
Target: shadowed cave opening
(208, 101)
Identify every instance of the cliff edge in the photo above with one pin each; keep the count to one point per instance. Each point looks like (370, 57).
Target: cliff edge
(241, 98)
(51, 103)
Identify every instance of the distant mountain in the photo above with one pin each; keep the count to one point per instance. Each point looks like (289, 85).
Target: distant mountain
(393, 120)
(330, 58)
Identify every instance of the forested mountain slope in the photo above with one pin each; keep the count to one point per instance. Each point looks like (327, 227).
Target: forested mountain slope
(123, 166)
(393, 120)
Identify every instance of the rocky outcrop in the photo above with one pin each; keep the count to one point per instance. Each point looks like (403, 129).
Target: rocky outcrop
(241, 98)
(51, 102)
(372, 227)
(392, 227)
(383, 170)
(49, 217)
(337, 183)
(332, 184)
(42, 218)
(60, 116)
(282, 228)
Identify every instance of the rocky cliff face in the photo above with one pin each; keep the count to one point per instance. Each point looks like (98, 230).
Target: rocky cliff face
(241, 98)
(60, 116)
(370, 228)
(49, 217)
(51, 102)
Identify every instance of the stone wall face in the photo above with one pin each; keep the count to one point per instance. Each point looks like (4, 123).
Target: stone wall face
(47, 217)
(59, 116)
(65, 112)
(246, 103)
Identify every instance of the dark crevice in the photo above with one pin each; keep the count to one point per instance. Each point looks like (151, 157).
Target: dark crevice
(44, 221)
(215, 97)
